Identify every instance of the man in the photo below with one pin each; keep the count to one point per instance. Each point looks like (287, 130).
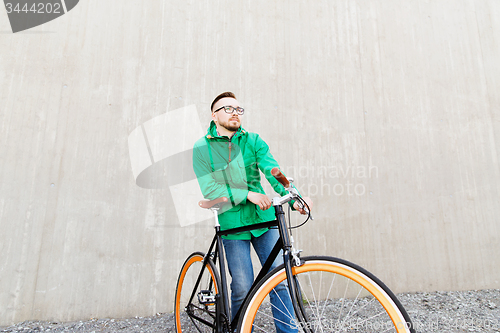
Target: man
(227, 163)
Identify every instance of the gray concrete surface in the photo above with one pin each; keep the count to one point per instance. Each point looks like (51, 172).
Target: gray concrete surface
(386, 113)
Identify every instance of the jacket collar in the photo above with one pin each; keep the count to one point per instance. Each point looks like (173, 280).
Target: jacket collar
(212, 132)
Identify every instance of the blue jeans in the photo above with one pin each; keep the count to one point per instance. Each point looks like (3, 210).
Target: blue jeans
(240, 268)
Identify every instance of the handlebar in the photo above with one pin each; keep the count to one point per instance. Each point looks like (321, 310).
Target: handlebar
(280, 177)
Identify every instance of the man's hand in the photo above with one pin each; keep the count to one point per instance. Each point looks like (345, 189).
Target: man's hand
(296, 205)
(259, 199)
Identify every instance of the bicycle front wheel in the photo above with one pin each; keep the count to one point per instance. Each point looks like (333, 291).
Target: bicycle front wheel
(335, 296)
(197, 286)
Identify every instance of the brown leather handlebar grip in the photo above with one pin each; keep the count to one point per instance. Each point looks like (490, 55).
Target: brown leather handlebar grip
(280, 177)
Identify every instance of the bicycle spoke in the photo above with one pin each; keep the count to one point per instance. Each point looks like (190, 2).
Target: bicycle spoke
(275, 319)
(352, 306)
(315, 301)
(328, 295)
(364, 306)
(289, 315)
(332, 302)
(343, 300)
(375, 316)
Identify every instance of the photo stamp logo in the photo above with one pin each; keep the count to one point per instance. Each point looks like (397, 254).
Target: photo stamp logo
(26, 14)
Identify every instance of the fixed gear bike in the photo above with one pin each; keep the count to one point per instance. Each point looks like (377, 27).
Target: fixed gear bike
(328, 294)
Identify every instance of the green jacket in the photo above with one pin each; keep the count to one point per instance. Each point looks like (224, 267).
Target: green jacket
(230, 168)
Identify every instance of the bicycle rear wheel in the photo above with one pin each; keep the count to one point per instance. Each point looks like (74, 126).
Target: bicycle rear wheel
(194, 310)
(336, 296)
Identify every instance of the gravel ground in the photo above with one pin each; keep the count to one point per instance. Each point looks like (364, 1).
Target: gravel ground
(458, 311)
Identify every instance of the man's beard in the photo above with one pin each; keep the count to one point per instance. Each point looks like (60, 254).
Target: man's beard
(229, 126)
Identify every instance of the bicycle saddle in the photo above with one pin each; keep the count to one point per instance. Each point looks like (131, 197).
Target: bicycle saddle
(210, 203)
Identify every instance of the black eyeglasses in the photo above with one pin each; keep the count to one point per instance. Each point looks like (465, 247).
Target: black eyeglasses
(230, 109)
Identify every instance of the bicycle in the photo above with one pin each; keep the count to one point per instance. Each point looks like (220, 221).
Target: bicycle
(328, 294)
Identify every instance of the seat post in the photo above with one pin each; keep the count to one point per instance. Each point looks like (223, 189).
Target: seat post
(222, 265)
(216, 215)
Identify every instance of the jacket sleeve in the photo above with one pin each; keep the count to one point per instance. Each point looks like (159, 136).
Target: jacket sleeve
(210, 188)
(266, 163)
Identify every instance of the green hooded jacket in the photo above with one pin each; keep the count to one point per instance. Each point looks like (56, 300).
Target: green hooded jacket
(230, 168)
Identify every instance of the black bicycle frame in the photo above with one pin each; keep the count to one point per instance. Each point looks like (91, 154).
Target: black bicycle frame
(283, 243)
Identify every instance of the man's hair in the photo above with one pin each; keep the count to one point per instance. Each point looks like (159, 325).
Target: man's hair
(221, 96)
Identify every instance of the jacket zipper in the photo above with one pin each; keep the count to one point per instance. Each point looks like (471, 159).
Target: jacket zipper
(230, 144)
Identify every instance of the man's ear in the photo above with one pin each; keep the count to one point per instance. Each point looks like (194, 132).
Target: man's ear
(214, 118)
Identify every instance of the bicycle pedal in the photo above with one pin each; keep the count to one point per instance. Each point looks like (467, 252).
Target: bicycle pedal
(206, 297)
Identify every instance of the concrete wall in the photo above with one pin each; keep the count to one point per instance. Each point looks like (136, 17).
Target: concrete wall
(403, 93)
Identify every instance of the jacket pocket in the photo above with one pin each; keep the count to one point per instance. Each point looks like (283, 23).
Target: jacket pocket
(231, 218)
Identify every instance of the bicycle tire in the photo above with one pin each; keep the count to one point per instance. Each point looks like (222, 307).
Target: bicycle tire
(361, 303)
(210, 281)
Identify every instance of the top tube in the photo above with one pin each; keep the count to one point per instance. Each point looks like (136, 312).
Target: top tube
(260, 225)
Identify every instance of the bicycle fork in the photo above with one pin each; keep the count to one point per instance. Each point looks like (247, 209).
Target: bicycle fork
(293, 284)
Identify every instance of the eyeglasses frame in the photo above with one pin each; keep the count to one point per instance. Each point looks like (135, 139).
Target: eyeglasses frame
(237, 109)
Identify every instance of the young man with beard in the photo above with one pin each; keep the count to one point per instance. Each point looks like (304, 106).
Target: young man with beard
(227, 161)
